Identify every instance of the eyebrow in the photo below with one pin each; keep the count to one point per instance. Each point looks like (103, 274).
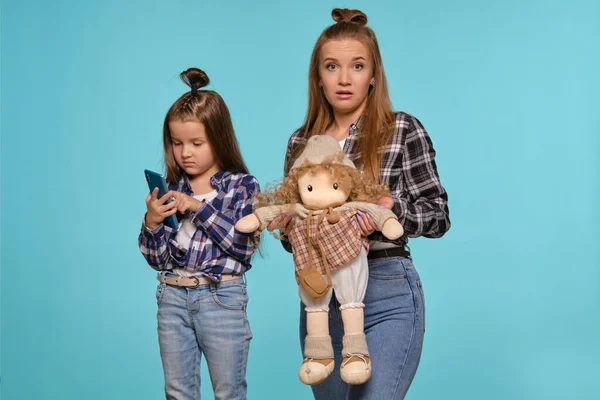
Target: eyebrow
(335, 59)
(191, 139)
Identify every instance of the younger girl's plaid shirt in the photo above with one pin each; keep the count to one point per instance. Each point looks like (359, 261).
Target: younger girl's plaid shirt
(216, 247)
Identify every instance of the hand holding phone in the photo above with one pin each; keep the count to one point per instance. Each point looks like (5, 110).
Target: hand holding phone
(160, 202)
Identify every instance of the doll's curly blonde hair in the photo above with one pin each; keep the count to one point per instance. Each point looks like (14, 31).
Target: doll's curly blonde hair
(358, 187)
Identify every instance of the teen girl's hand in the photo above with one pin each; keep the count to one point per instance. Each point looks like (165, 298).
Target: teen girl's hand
(157, 209)
(284, 223)
(186, 203)
(366, 223)
(386, 202)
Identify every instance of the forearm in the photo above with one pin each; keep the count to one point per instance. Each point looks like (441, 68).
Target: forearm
(153, 246)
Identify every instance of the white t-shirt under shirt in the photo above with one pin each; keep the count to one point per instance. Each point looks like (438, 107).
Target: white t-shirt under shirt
(373, 244)
(187, 228)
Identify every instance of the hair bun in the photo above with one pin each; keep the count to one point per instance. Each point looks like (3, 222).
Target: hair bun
(346, 15)
(195, 78)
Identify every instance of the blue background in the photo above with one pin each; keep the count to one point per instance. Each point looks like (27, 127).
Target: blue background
(508, 91)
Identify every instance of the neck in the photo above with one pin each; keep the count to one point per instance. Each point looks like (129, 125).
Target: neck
(201, 183)
(340, 127)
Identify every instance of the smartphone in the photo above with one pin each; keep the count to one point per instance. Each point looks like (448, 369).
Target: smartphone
(156, 180)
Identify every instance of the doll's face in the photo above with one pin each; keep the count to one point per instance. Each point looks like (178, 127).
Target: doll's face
(319, 191)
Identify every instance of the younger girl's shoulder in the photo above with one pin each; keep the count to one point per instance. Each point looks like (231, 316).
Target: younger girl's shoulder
(241, 181)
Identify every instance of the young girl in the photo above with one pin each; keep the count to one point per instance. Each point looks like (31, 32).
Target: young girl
(349, 100)
(201, 296)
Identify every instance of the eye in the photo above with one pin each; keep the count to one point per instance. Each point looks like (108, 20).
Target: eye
(331, 67)
(309, 187)
(358, 67)
(335, 186)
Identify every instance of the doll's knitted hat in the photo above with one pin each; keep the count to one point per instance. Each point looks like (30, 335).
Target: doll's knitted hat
(321, 148)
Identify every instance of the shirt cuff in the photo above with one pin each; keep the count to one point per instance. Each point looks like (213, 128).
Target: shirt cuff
(156, 233)
(205, 215)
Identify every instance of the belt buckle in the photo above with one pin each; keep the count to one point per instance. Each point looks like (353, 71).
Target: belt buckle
(197, 282)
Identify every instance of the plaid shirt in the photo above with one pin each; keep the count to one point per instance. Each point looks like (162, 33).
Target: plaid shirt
(216, 247)
(408, 168)
(341, 242)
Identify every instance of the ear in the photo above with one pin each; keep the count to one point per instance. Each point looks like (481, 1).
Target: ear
(372, 82)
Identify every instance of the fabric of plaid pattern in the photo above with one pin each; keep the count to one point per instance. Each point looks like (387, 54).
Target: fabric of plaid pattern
(216, 247)
(340, 241)
(408, 168)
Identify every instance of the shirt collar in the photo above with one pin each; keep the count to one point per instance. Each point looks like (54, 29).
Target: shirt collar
(216, 181)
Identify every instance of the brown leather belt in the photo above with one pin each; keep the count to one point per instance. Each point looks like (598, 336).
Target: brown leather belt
(193, 281)
(391, 252)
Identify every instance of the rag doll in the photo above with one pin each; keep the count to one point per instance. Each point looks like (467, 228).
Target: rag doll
(324, 191)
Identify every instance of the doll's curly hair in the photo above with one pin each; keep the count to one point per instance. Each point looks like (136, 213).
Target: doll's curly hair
(358, 187)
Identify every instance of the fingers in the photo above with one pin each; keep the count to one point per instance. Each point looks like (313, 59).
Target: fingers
(154, 194)
(386, 202)
(174, 205)
(371, 223)
(361, 223)
(286, 225)
(170, 212)
(168, 195)
(274, 224)
(365, 222)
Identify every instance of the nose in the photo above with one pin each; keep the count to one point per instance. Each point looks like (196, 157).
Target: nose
(186, 151)
(344, 77)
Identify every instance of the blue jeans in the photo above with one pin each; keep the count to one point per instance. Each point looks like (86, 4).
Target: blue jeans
(209, 320)
(394, 325)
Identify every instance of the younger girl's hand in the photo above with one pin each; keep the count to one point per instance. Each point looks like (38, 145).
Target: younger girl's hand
(186, 203)
(366, 223)
(157, 209)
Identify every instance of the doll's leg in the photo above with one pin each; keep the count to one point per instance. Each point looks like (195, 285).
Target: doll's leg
(318, 352)
(350, 285)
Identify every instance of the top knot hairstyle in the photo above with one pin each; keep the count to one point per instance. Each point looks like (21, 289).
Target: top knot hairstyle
(195, 78)
(350, 16)
(377, 122)
(208, 108)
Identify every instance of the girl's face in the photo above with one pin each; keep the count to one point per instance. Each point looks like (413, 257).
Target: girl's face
(192, 149)
(345, 74)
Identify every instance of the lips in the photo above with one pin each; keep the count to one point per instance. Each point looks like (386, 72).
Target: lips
(343, 94)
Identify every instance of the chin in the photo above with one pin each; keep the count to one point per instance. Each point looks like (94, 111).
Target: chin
(345, 108)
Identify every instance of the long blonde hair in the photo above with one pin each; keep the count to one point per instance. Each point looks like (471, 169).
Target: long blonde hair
(207, 107)
(377, 121)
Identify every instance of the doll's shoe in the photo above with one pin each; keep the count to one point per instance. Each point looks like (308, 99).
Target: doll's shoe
(356, 369)
(313, 372)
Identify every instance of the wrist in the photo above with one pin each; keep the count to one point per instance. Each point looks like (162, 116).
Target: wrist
(196, 206)
(150, 224)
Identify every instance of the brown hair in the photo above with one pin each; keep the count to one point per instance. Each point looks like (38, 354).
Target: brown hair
(377, 120)
(207, 107)
(358, 187)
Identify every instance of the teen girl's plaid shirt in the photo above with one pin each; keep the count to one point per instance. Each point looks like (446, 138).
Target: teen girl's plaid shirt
(408, 168)
(216, 247)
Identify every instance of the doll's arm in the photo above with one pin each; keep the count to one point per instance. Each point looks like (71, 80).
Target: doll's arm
(262, 216)
(385, 220)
